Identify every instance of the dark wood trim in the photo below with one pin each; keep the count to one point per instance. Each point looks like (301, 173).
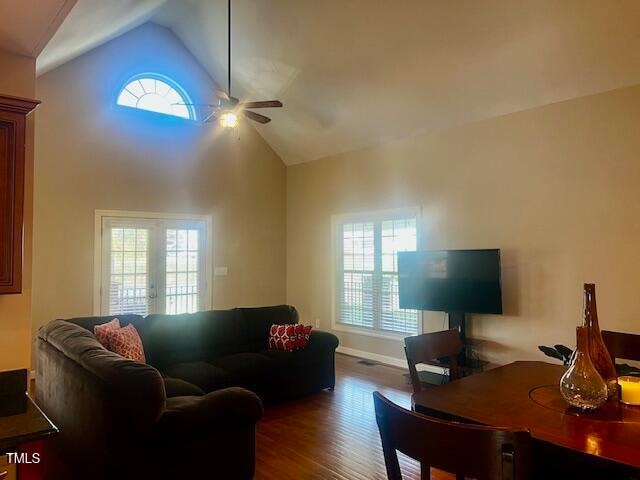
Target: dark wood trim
(13, 112)
(21, 105)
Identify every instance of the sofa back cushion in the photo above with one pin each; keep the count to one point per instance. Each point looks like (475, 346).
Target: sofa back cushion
(134, 387)
(171, 339)
(90, 322)
(258, 321)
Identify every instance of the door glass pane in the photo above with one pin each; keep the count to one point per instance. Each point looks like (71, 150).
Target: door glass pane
(128, 274)
(182, 270)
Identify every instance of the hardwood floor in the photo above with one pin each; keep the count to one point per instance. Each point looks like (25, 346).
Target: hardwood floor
(333, 435)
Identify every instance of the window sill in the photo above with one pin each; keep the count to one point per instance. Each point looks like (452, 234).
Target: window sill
(398, 337)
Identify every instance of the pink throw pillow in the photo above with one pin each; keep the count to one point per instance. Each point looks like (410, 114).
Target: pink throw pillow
(127, 343)
(101, 332)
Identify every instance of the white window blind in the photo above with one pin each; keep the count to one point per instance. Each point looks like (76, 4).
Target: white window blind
(358, 272)
(129, 270)
(367, 273)
(153, 266)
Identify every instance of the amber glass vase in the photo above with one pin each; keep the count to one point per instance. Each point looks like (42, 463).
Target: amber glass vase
(597, 349)
(582, 386)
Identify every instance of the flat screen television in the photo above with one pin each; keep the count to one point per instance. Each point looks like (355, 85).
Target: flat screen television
(451, 281)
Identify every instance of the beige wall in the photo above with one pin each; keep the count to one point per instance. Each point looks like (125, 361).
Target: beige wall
(17, 78)
(556, 188)
(91, 154)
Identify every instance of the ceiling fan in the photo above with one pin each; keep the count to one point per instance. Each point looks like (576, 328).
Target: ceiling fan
(229, 107)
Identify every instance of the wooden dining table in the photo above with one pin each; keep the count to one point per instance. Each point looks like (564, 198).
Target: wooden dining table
(525, 395)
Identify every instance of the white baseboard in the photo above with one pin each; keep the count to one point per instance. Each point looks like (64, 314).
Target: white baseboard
(386, 360)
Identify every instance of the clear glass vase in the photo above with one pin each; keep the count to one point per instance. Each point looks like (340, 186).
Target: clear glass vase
(582, 386)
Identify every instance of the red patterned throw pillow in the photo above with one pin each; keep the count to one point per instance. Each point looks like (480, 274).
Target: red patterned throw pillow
(289, 337)
(101, 332)
(282, 337)
(302, 335)
(127, 342)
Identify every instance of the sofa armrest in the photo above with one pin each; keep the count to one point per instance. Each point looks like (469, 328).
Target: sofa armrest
(321, 340)
(226, 407)
(176, 387)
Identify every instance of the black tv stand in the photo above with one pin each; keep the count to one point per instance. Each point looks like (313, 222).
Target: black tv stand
(458, 320)
(466, 362)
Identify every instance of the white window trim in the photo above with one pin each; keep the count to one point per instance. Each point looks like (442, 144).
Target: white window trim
(97, 249)
(377, 215)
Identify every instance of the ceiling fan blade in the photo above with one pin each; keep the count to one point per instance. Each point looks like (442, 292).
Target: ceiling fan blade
(256, 116)
(262, 104)
(222, 95)
(226, 101)
(211, 117)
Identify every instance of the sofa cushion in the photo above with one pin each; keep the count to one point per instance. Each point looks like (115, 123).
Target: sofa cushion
(203, 374)
(259, 320)
(135, 387)
(172, 339)
(296, 360)
(250, 370)
(176, 387)
(89, 323)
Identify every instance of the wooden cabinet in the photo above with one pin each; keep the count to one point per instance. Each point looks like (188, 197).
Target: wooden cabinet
(13, 112)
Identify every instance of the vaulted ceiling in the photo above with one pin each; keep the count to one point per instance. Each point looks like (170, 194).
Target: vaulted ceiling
(27, 26)
(352, 73)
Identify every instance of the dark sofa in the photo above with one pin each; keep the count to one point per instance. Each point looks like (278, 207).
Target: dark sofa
(190, 412)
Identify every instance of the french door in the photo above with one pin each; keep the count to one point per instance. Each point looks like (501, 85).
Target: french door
(153, 266)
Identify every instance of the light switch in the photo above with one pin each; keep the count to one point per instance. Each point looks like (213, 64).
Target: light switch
(220, 271)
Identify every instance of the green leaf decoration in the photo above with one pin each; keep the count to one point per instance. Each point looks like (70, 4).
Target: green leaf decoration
(566, 353)
(551, 352)
(626, 369)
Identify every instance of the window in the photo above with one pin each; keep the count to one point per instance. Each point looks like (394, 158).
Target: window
(156, 93)
(367, 273)
(152, 265)
(128, 282)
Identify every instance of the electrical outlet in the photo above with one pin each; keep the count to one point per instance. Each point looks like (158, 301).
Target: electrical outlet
(317, 323)
(220, 271)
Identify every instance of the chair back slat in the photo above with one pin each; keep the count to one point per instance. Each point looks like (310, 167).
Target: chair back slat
(622, 345)
(429, 347)
(484, 453)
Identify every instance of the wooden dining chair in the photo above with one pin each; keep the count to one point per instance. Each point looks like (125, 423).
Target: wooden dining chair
(476, 451)
(622, 345)
(428, 348)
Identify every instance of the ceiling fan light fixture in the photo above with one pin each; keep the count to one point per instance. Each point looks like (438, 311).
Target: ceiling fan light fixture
(229, 119)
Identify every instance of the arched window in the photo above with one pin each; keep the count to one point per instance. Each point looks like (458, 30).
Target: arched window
(156, 93)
